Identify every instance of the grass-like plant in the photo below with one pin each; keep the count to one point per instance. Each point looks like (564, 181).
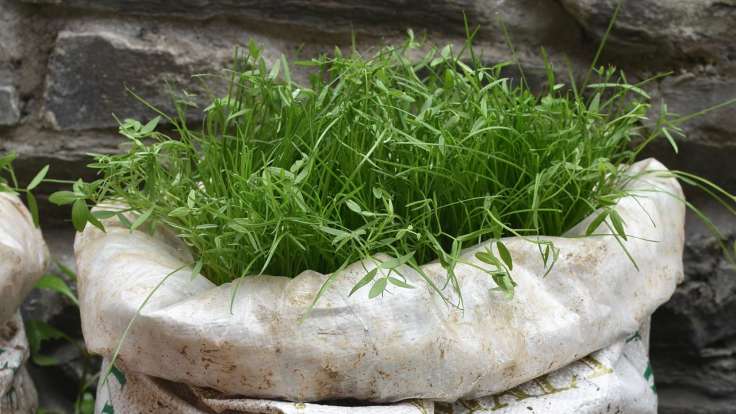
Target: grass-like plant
(416, 158)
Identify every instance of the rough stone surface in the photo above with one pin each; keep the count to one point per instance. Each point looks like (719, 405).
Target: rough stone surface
(708, 146)
(95, 66)
(696, 30)
(10, 39)
(64, 66)
(689, 93)
(540, 20)
(9, 112)
(693, 335)
(91, 68)
(26, 37)
(10, 54)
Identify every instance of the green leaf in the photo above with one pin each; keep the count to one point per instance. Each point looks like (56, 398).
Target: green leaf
(353, 206)
(44, 360)
(671, 140)
(39, 331)
(618, 224)
(56, 284)
(80, 214)
(197, 268)
(38, 178)
(378, 287)
(505, 255)
(190, 198)
(61, 198)
(488, 257)
(279, 173)
(334, 231)
(107, 409)
(364, 281)
(124, 220)
(304, 173)
(237, 226)
(377, 192)
(396, 262)
(93, 220)
(141, 219)
(78, 186)
(7, 159)
(103, 215)
(274, 73)
(504, 282)
(86, 404)
(287, 73)
(595, 103)
(179, 212)
(119, 375)
(545, 249)
(66, 270)
(596, 222)
(150, 126)
(33, 208)
(400, 283)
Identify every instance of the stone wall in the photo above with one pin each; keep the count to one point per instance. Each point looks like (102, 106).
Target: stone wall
(66, 67)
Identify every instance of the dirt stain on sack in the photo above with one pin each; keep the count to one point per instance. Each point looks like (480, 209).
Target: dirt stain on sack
(8, 330)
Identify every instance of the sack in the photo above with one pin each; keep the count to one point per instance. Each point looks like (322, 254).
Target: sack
(407, 344)
(17, 393)
(616, 379)
(23, 259)
(23, 254)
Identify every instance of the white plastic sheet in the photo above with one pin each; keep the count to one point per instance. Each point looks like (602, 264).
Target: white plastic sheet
(616, 379)
(407, 344)
(23, 254)
(17, 393)
(23, 259)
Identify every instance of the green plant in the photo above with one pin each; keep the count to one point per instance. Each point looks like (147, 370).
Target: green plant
(417, 158)
(10, 184)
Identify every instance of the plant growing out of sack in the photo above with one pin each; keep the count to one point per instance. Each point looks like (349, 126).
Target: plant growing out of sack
(396, 230)
(23, 260)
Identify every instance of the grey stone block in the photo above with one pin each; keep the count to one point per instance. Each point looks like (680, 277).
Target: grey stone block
(694, 335)
(540, 22)
(698, 28)
(709, 144)
(693, 92)
(89, 72)
(9, 111)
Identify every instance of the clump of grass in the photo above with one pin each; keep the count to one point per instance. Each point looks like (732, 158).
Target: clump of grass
(416, 158)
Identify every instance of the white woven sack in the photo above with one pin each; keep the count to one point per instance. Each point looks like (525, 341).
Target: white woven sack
(23, 259)
(17, 393)
(407, 344)
(23, 254)
(616, 379)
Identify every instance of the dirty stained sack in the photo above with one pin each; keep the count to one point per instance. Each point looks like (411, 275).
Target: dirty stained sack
(616, 379)
(23, 254)
(23, 259)
(407, 344)
(17, 393)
